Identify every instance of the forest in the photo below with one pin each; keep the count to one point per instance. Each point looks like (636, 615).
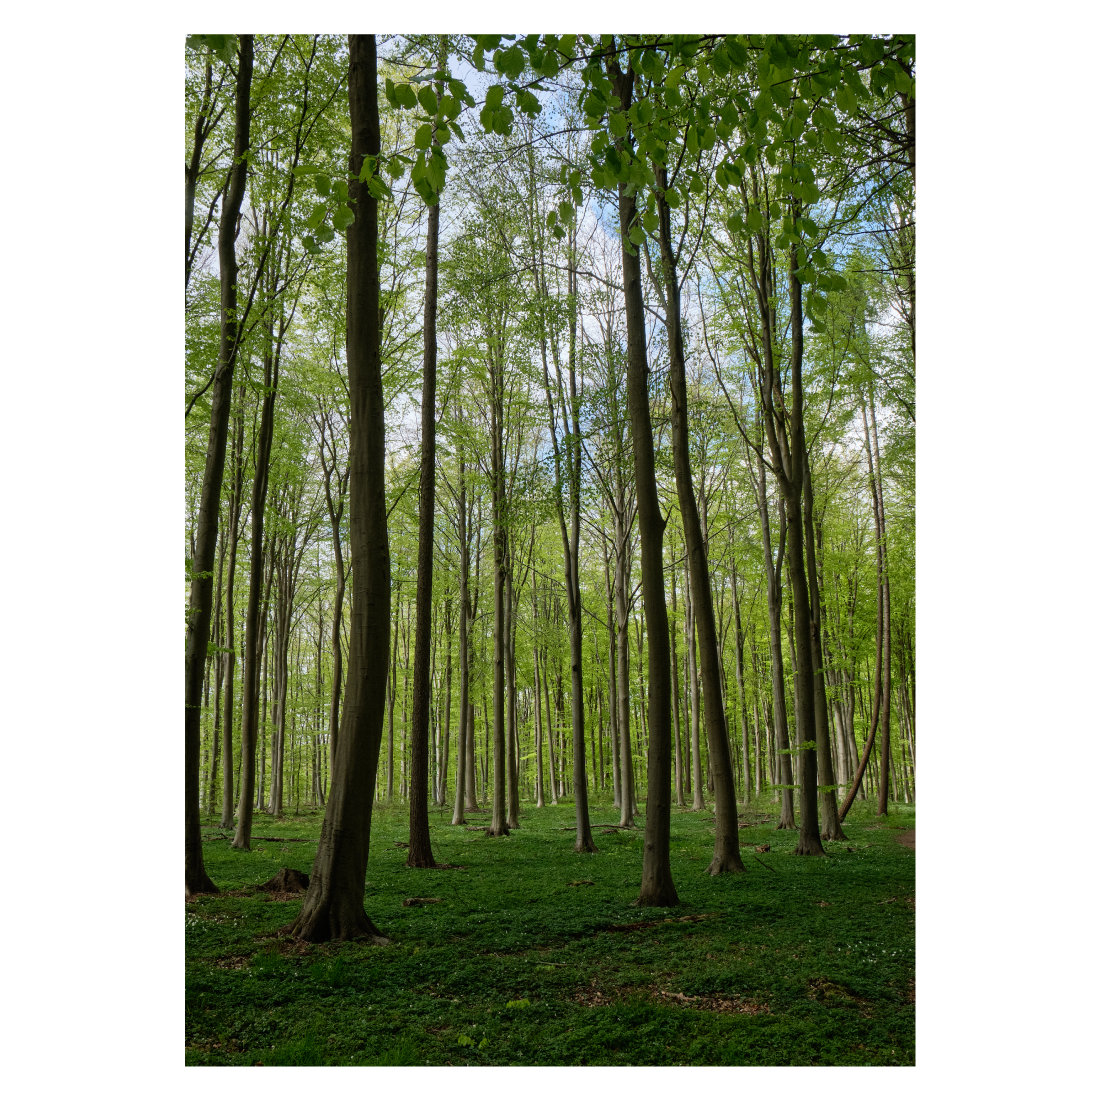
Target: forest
(549, 519)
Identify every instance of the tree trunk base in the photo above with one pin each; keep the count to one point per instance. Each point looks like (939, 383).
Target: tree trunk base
(663, 896)
(287, 881)
(809, 847)
(203, 884)
(585, 844)
(831, 832)
(727, 864)
(502, 831)
(324, 925)
(425, 862)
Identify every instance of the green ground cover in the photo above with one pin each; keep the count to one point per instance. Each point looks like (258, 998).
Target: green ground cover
(523, 961)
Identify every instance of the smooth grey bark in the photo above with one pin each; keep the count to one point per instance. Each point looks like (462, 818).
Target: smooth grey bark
(199, 604)
(333, 906)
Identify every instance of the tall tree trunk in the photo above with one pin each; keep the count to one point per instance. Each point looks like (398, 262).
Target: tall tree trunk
(627, 807)
(727, 855)
(202, 565)
(230, 622)
(333, 906)
(886, 631)
(463, 775)
(510, 699)
(420, 845)
(445, 752)
(657, 885)
(774, 572)
(550, 731)
(499, 826)
(697, 802)
(250, 710)
(676, 701)
(830, 817)
(739, 640)
(540, 800)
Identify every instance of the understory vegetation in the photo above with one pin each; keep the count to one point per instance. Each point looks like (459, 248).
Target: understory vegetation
(534, 955)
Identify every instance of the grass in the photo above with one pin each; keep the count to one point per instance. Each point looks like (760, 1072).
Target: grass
(801, 962)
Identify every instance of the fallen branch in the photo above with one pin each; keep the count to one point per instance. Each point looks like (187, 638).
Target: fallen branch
(763, 864)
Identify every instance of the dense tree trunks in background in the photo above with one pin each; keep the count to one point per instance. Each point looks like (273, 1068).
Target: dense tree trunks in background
(676, 709)
(199, 607)
(333, 906)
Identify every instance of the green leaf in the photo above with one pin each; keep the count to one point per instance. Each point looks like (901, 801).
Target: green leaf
(616, 122)
(343, 217)
(325, 234)
(551, 219)
(566, 211)
(340, 190)
(494, 97)
(735, 223)
(509, 62)
(406, 97)
(427, 99)
(423, 136)
(753, 219)
(738, 55)
(316, 216)
(322, 184)
(391, 95)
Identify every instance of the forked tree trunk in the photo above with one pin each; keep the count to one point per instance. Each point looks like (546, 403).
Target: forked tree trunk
(333, 906)
(657, 885)
(202, 566)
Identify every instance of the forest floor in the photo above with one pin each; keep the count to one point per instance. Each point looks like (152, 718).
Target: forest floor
(533, 955)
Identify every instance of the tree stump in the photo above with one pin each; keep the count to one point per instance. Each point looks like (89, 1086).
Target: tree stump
(287, 881)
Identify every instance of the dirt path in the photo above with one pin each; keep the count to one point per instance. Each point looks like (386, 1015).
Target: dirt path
(908, 838)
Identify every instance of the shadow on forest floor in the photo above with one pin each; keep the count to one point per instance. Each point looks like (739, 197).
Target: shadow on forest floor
(535, 955)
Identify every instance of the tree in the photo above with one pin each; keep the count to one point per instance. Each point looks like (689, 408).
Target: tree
(198, 632)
